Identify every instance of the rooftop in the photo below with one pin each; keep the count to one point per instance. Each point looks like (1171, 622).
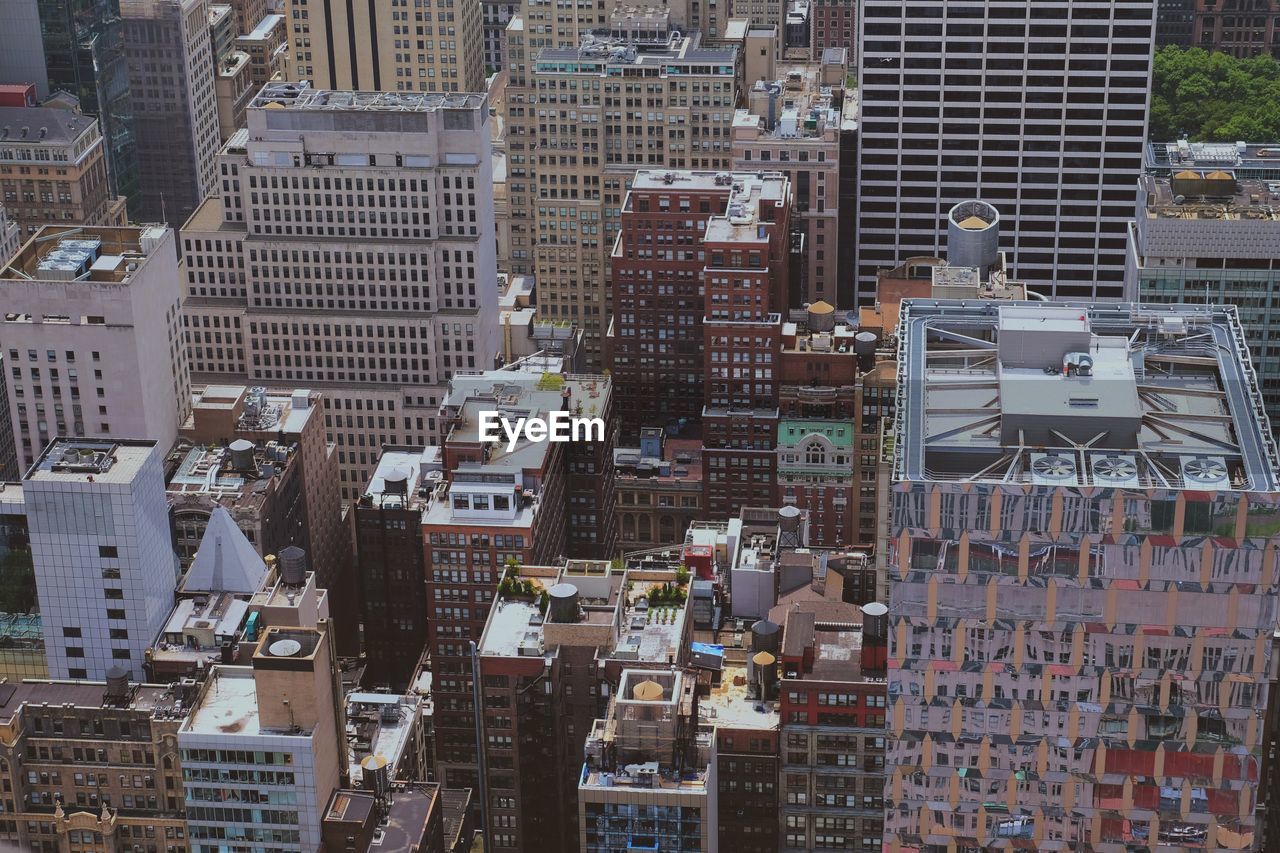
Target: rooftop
(1078, 394)
(679, 461)
(81, 253)
(378, 724)
(405, 478)
(795, 105)
(42, 126)
(86, 460)
(731, 705)
(228, 705)
(300, 96)
(754, 201)
(792, 432)
(1212, 155)
(1193, 195)
(156, 699)
(676, 55)
(211, 473)
(263, 29)
(198, 627)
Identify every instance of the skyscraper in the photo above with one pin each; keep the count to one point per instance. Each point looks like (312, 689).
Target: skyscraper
(1038, 108)
(92, 337)
(105, 569)
(175, 113)
(1082, 597)
(374, 46)
(84, 55)
(351, 251)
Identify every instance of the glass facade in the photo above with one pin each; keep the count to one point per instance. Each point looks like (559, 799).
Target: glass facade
(623, 827)
(84, 55)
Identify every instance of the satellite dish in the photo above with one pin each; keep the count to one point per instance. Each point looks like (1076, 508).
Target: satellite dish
(284, 648)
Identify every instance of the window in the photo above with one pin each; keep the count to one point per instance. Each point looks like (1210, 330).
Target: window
(108, 552)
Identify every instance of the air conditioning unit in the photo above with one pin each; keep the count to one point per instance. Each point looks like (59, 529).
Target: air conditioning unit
(1053, 469)
(1205, 472)
(1114, 470)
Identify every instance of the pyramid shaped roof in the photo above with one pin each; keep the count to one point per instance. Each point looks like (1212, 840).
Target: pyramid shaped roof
(226, 561)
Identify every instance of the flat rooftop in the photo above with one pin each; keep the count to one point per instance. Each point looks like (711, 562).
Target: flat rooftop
(402, 475)
(730, 706)
(81, 253)
(1212, 155)
(81, 460)
(300, 96)
(228, 705)
(147, 698)
(752, 200)
(1075, 394)
(1205, 197)
(263, 29)
(675, 56)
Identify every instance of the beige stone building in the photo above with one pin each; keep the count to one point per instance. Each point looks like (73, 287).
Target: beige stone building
(53, 170)
(795, 119)
(91, 766)
(268, 47)
(382, 46)
(581, 120)
(351, 252)
(233, 89)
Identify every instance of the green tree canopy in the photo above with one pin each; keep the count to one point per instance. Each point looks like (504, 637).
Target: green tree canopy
(1214, 97)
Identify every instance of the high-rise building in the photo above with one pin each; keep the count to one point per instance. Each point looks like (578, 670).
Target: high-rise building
(390, 561)
(650, 780)
(105, 569)
(797, 123)
(1080, 613)
(263, 747)
(569, 163)
(377, 47)
(832, 660)
(748, 755)
(954, 106)
(175, 109)
(92, 337)
(496, 15)
(85, 56)
(658, 483)
(1175, 23)
(575, 628)
(92, 765)
(267, 44)
(1206, 236)
(1240, 29)
(501, 507)
(74, 189)
(21, 50)
(382, 198)
(834, 24)
(263, 457)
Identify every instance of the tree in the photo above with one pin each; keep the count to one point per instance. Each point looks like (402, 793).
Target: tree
(1214, 97)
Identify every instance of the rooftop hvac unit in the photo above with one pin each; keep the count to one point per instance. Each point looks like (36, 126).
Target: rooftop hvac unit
(1205, 472)
(1053, 469)
(1114, 470)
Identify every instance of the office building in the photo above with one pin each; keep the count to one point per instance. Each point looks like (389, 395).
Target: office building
(749, 268)
(263, 747)
(91, 337)
(576, 627)
(91, 765)
(496, 14)
(798, 123)
(175, 111)
(73, 189)
(390, 561)
(569, 164)
(1079, 637)
(394, 288)
(832, 705)
(267, 44)
(378, 48)
(650, 775)
(954, 107)
(1208, 237)
(21, 50)
(658, 483)
(84, 55)
(500, 507)
(833, 24)
(233, 87)
(248, 13)
(105, 570)
(1240, 29)
(748, 755)
(264, 457)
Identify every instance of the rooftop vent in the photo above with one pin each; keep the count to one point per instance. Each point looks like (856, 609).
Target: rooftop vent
(1205, 472)
(1052, 469)
(1114, 470)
